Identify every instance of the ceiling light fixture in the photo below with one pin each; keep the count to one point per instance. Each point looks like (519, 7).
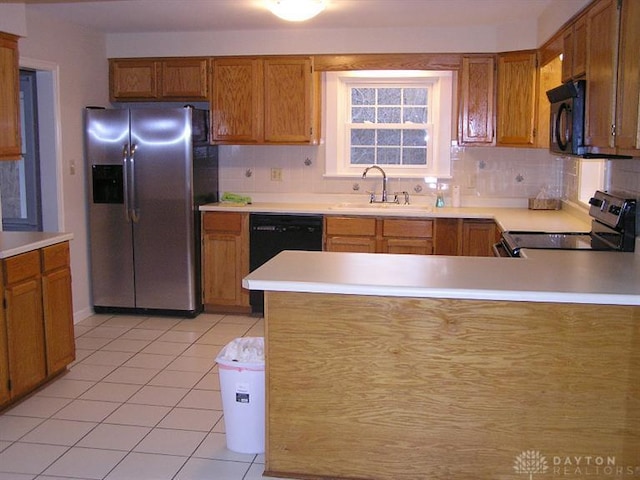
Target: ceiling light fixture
(296, 10)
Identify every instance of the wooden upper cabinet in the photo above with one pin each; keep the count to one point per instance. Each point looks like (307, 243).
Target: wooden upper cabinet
(236, 100)
(574, 62)
(154, 79)
(264, 100)
(133, 79)
(602, 48)
(549, 77)
(288, 100)
(628, 92)
(185, 79)
(10, 144)
(516, 104)
(477, 100)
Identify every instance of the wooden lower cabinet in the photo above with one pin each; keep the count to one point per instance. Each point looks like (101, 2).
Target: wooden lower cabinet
(465, 237)
(225, 261)
(25, 327)
(57, 307)
(36, 328)
(350, 234)
(412, 236)
(478, 237)
(379, 235)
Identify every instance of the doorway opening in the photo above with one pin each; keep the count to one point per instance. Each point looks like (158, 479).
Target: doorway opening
(42, 180)
(20, 179)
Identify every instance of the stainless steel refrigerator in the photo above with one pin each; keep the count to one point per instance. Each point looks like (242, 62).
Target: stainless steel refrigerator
(149, 170)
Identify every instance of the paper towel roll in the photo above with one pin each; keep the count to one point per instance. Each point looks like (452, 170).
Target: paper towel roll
(455, 196)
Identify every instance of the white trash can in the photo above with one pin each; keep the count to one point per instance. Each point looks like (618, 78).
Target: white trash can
(241, 370)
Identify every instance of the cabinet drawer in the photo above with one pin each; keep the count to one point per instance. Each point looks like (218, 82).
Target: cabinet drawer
(56, 256)
(222, 222)
(407, 228)
(21, 267)
(350, 226)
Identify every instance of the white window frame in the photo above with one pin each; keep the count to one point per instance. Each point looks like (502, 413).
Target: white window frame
(336, 115)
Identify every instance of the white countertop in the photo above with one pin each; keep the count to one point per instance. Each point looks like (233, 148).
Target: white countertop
(556, 276)
(15, 243)
(514, 219)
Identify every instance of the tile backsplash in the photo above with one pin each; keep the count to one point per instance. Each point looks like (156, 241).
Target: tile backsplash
(484, 174)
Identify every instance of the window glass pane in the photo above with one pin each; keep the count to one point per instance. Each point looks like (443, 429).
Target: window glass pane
(363, 96)
(389, 115)
(362, 156)
(414, 115)
(414, 156)
(415, 138)
(389, 96)
(388, 156)
(389, 137)
(415, 96)
(363, 137)
(363, 114)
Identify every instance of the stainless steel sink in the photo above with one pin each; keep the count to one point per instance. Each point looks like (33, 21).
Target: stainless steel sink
(381, 206)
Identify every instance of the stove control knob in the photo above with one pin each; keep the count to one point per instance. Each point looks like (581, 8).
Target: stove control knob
(596, 202)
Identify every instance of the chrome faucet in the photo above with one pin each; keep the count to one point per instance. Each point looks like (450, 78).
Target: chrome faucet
(384, 182)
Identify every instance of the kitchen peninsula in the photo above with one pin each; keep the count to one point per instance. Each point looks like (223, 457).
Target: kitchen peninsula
(36, 325)
(413, 367)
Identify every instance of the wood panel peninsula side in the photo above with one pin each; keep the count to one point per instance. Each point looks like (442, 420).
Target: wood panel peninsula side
(403, 367)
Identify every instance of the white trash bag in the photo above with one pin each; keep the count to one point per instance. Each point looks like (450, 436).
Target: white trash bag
(241, 370)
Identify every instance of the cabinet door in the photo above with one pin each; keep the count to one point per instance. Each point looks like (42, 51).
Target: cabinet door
(4, 354)
(225, 259)
(10, 146)
(414, 246)
(574, 50)
(236, 100)
(478, 238)
(350, 234)
(448, 233)
(628, 100)
(601, 74)
(477, 94)
(184, 79)
(517, 74)
(288, 100)
(25, 328)
(579, 47)
(134, 79)
(57, 307)
(350, 244)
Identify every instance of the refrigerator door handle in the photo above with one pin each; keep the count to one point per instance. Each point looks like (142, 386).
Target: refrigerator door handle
(125, 183)
(135, 215)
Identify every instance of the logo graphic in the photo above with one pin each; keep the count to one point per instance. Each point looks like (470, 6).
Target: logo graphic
(531, 462)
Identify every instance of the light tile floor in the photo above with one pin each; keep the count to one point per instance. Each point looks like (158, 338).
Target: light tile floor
(141, 402)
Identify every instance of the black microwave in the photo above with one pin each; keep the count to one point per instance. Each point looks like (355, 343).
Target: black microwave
(567, 118)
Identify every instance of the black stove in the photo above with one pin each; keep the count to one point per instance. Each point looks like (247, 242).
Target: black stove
(613, 228)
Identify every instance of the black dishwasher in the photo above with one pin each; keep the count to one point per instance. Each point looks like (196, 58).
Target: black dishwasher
(270, 234)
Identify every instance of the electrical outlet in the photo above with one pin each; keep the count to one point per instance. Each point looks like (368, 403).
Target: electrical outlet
(276, 174)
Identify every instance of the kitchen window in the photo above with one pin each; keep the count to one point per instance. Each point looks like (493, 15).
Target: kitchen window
(399, 120)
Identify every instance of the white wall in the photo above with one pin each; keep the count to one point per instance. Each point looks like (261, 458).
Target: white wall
(80, 57)
(13, 19)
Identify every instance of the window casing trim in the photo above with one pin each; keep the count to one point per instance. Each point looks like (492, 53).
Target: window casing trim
(439, 126)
